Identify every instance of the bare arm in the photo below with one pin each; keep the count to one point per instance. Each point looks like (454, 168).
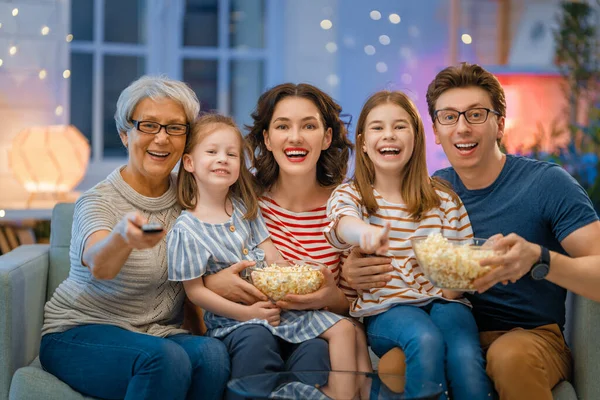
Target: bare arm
(106, 252)
(271, 252)
(579, 273)
(228, 284)
(371, 239)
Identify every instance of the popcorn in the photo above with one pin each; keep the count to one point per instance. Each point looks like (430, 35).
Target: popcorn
(448, 265)
(276, 281)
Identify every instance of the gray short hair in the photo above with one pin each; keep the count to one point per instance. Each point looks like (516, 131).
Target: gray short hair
(154, 87)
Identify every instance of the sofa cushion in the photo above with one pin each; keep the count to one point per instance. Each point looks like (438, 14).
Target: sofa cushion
(33, 382)
(60, 240)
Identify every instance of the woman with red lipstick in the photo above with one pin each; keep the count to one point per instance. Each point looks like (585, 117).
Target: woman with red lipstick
(302, 152)
(390, 200)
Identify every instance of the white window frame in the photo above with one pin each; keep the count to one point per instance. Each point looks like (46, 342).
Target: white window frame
(162, 17)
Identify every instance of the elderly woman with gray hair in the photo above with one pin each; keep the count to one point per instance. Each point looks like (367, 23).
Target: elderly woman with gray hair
(113, 329)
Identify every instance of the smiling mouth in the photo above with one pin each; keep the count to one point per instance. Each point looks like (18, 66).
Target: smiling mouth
(389, 151)
(296, 153)
(220, 171)
(466, 146)
(158, 154)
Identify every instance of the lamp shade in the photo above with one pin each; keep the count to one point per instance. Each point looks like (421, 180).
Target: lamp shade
(49, 159)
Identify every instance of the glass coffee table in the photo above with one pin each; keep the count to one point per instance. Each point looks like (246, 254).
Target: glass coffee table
(326, 385)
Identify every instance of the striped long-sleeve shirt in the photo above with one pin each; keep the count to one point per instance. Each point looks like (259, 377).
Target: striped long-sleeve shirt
(299, 235)
(408, 285)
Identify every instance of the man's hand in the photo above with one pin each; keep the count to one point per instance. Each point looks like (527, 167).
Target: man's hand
(228, 284)
(515, 260)
(364, 273)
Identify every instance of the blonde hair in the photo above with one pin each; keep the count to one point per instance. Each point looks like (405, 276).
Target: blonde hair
(418, 189)
(243, 189)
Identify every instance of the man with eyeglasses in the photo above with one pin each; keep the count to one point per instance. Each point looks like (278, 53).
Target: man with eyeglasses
(533, 209)
(537, 212)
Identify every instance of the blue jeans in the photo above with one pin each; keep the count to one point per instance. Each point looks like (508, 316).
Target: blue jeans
(113, 363)
(255, 350)
(440, 340)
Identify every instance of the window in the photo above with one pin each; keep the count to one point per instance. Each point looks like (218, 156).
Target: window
(219, 47)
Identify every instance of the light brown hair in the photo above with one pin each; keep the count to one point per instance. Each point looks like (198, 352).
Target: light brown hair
(466, 75)
(333, 162)
(418, 189)
(243, 189)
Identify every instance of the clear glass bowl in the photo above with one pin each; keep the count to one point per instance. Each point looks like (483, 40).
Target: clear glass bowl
(279, 278)
(451, 263)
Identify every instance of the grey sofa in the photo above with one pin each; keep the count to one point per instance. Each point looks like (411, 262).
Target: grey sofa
(29, 275)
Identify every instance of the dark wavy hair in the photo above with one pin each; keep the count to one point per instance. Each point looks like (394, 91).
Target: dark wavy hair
(333, 162)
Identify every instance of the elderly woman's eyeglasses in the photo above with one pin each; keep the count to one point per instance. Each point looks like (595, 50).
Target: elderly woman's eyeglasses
(473, 115)
(154, 127)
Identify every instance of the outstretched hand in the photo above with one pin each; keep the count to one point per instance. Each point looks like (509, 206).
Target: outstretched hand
(514, 259)
(375, 240)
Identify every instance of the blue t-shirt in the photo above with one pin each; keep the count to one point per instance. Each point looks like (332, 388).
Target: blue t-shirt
(540, 202)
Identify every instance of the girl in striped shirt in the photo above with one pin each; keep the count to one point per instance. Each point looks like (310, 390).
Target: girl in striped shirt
(390, 200)
(221, 225)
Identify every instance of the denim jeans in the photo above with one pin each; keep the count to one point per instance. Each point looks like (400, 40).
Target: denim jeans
(113, 363)
(255, 350)
(441, 345)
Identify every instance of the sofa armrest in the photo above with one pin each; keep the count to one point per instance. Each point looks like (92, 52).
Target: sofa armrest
(582, 335)
(23, 279)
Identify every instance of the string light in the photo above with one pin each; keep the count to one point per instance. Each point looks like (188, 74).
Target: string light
(69, 38)
(333, 80)
(13, 50)
(1, 62)
(42, 74)
(0, 24)
(375, 15)
(381, 67)
(370, 50)
(326, 24)
(66, 73)
(2, 213)
(45, 30)
(466, 38)
(394, 18)
(406, 78)
(384, 40)
(15, 12)
(331, 47)
(58, 111)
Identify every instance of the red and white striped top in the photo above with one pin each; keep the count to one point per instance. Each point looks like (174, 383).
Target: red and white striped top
(299, 236)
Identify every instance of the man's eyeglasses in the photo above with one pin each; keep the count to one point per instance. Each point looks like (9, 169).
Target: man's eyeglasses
(473, 115)
(155, 127)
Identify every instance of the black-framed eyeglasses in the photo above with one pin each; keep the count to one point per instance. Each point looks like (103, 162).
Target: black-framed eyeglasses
(472, 115)
(154, 127)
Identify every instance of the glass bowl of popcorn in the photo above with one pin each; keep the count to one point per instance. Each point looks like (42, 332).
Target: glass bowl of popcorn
(279, 278)
(452, 263)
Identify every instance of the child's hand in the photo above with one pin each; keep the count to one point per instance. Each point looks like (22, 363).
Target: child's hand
(265, 310)
(375, 240)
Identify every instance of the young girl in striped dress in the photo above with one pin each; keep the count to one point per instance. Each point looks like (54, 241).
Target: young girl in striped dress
(390, 200)
(220, 226)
